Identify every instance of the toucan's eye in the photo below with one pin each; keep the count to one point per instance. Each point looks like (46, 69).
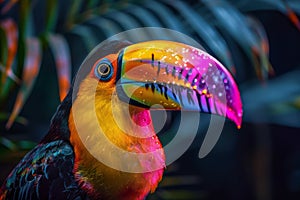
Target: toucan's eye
(104, 70)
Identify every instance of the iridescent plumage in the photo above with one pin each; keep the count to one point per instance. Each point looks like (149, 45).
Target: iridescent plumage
(45, 173)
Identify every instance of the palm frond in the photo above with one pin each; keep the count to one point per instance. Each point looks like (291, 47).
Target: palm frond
(206, 32)
(9, 74)
(11, 32)
(217, 25)
(277, 102)
(8, 6)
(8, 144)
(61, 53)
(30, 72)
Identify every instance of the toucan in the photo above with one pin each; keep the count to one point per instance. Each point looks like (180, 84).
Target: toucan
(101, 143)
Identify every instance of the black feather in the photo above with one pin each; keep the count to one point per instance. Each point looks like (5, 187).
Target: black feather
(46, 172)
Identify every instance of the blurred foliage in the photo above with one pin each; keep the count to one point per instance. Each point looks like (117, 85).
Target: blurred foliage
(31, 29)
(216, 24)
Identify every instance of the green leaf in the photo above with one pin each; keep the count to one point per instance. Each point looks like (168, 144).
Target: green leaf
(19, 119)
(26, 144)
(262, 49)
(8, 143)
(9, 74)
(8, 6)
(292, 16)
(205, 31)
(294, 5)
(24, 13)
(92, 3)
(61, 54)
(16, 145)
(286, 7)
(30, 72)
(3, 47)
(274, 102)
(144, 16)
(51, 15)
(125, 20)
(87, 35)
(237, 25)
(73, 12)
(108, 27)
(11, 31)
(166, 16)
(296, 103)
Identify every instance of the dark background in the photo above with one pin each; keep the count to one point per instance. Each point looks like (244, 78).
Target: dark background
(259, 161)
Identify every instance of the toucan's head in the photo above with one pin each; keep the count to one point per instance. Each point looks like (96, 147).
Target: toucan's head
(173, 75)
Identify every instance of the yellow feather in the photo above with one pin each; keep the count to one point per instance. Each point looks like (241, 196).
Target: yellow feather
(112, 118)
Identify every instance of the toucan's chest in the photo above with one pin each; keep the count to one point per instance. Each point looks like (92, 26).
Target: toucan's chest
(112, 182)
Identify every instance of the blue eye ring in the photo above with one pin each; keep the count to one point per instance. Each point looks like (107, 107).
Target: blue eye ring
(104, 70)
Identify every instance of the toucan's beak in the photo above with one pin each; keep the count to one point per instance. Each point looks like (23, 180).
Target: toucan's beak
(177, 76)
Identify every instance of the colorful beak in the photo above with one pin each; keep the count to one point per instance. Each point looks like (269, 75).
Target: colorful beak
(177, 76)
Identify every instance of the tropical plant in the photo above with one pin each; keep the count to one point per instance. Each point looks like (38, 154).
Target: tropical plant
(227, 29)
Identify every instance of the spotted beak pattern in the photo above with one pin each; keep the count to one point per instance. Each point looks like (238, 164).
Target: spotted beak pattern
(178, 77)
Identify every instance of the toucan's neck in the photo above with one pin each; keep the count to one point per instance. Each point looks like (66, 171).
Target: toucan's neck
(129, 124)
(127, 127)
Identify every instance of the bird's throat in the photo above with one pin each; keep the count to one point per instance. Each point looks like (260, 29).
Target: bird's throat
(126, 127)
